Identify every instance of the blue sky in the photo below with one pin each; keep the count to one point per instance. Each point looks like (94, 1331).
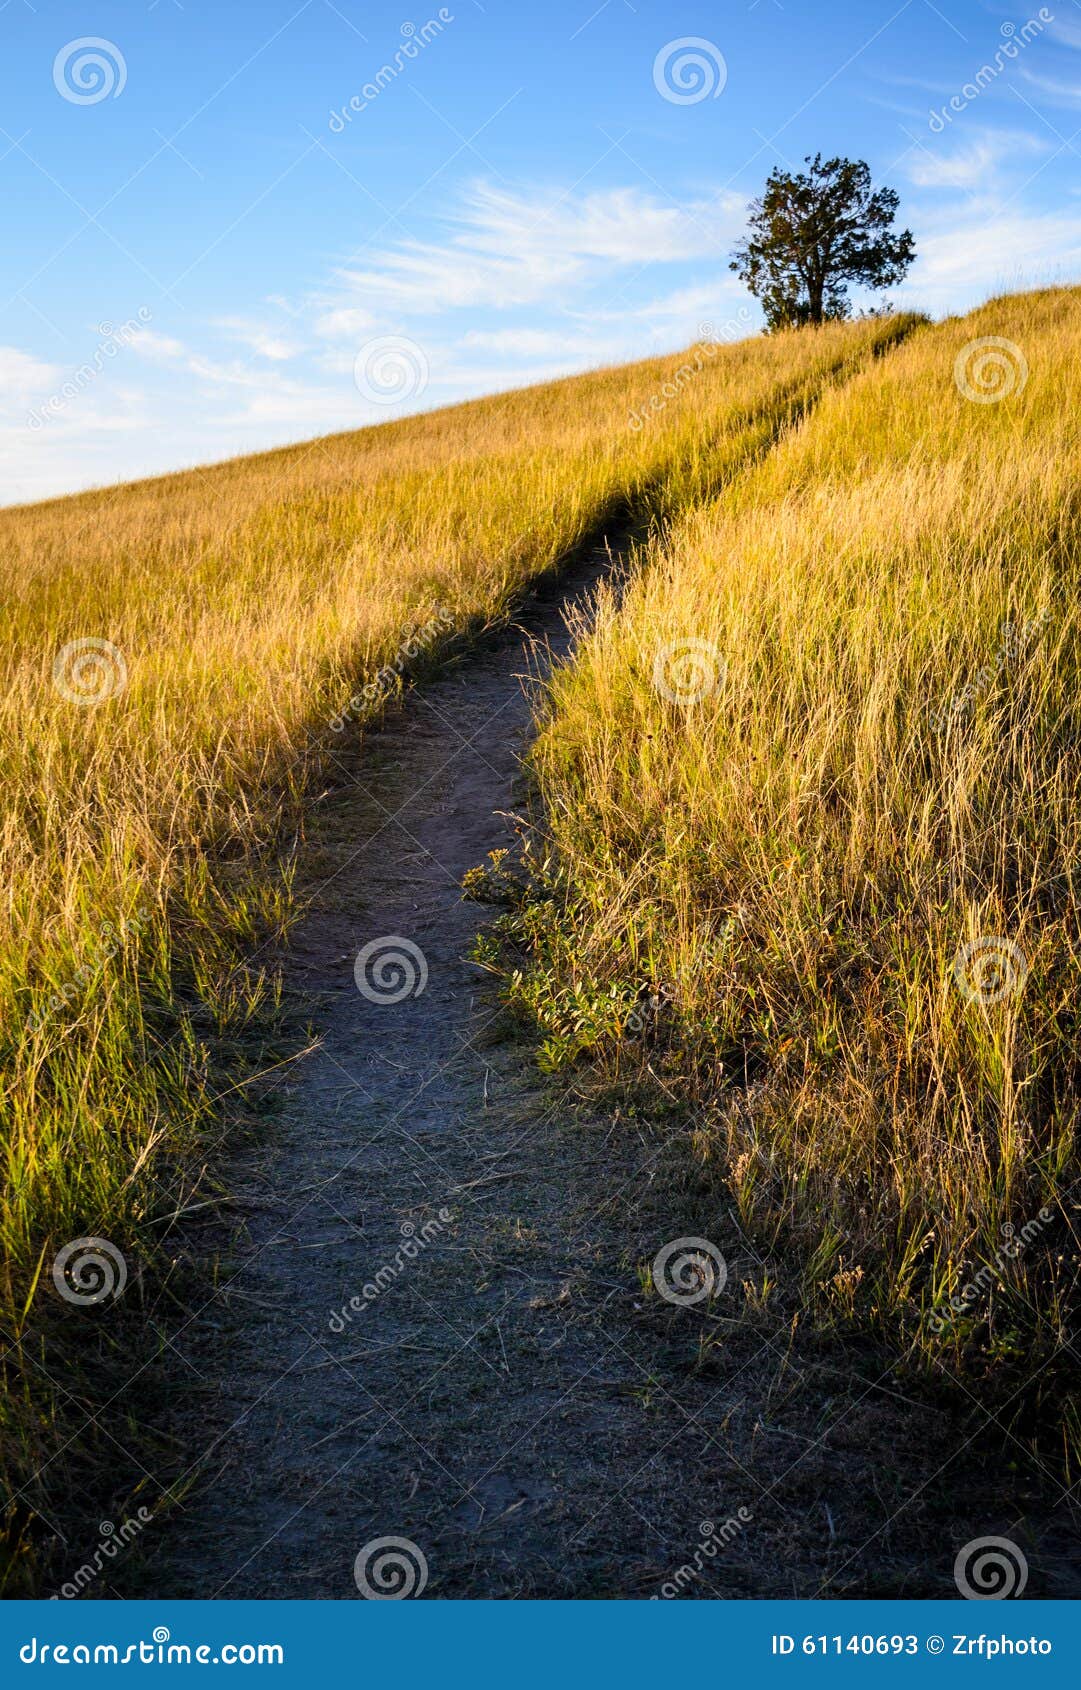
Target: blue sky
(227, 228)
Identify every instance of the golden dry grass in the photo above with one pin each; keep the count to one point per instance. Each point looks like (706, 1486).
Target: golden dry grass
(245, 609)
(839, 845)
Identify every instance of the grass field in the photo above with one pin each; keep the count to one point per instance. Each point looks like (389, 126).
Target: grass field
(180, 661)
(811, 866)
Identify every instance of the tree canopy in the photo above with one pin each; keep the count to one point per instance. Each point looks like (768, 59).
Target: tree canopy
(813, 233)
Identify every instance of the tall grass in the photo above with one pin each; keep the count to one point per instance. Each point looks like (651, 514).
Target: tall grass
(242, 613)
(817, 874)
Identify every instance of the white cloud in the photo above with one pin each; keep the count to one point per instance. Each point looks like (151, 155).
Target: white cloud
(574, 266)
(513, 249)
(345, 323)
(24, 377)
(974, 165)
(521, 343)
(965, 254)
(928, 86)
(84, 419)
(1066, 30)
(267, 340)
(683, 314)
(618, 225)
(1059, 93)
(159, 348)
(91, 440)
(301, 408)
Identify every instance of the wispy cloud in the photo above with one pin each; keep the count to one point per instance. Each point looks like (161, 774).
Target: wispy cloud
(506, 249)
(344, 322)
(980, 248)
(1067, 30)
(975, 165)
(511, 286)
(1062, 85)
(268, 340)
(1059, 93)
(24, 378)
(158, 348)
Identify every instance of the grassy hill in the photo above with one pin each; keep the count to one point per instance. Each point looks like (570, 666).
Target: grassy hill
(813, 797)
(808, 864)
(181, 660)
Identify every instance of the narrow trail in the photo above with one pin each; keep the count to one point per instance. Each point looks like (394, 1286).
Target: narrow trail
(509, 1401)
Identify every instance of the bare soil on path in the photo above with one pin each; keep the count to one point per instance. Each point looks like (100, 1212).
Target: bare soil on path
(511, 1400)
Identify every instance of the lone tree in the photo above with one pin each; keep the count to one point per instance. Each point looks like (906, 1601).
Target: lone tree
(811, 234)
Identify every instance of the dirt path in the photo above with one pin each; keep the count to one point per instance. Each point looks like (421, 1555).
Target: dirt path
(509, 1400)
